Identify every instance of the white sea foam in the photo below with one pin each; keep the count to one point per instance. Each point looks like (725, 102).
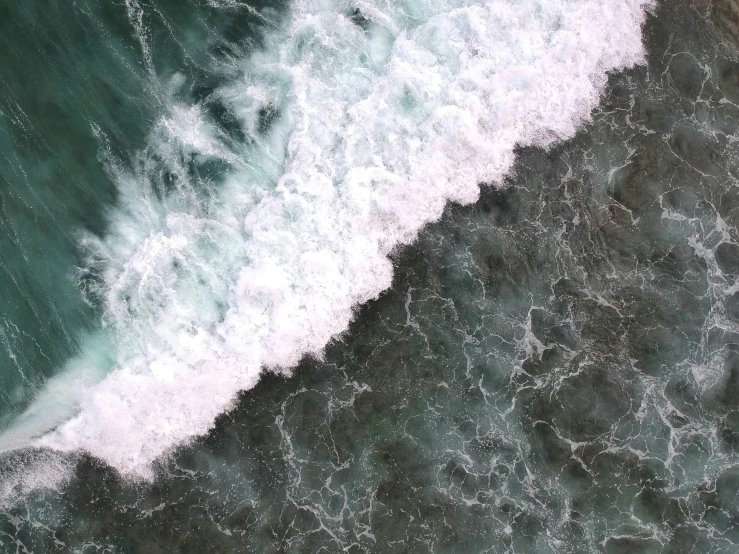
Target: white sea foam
(378, 122)
(32, 470)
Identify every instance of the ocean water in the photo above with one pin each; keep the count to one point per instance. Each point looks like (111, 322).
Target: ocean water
(323, 275)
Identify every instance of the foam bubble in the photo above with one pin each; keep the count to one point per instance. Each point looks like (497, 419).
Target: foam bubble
(362, 120)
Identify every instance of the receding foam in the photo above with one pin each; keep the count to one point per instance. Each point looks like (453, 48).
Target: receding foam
(358, 132)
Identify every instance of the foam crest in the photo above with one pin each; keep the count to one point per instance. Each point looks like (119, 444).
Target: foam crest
(361, 121)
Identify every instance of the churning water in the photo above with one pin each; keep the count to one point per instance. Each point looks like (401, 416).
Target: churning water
(383, 276)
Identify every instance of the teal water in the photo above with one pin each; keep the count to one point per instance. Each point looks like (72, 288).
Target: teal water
(553, 368)
(79, 95)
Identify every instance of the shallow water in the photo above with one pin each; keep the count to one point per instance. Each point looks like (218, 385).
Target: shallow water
(554, 368)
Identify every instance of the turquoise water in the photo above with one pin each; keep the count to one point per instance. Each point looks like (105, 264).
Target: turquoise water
(552, 368)
(79, 97)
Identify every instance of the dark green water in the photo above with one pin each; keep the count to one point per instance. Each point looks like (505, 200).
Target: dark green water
(555, 368)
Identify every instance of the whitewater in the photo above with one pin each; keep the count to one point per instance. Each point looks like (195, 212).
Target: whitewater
(358, 122)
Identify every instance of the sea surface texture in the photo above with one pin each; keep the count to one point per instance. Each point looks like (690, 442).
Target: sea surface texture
(369, 276)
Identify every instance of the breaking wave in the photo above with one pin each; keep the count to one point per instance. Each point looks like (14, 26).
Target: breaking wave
(241, 247)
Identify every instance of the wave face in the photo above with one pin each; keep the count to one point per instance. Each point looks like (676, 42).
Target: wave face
(234, 250)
